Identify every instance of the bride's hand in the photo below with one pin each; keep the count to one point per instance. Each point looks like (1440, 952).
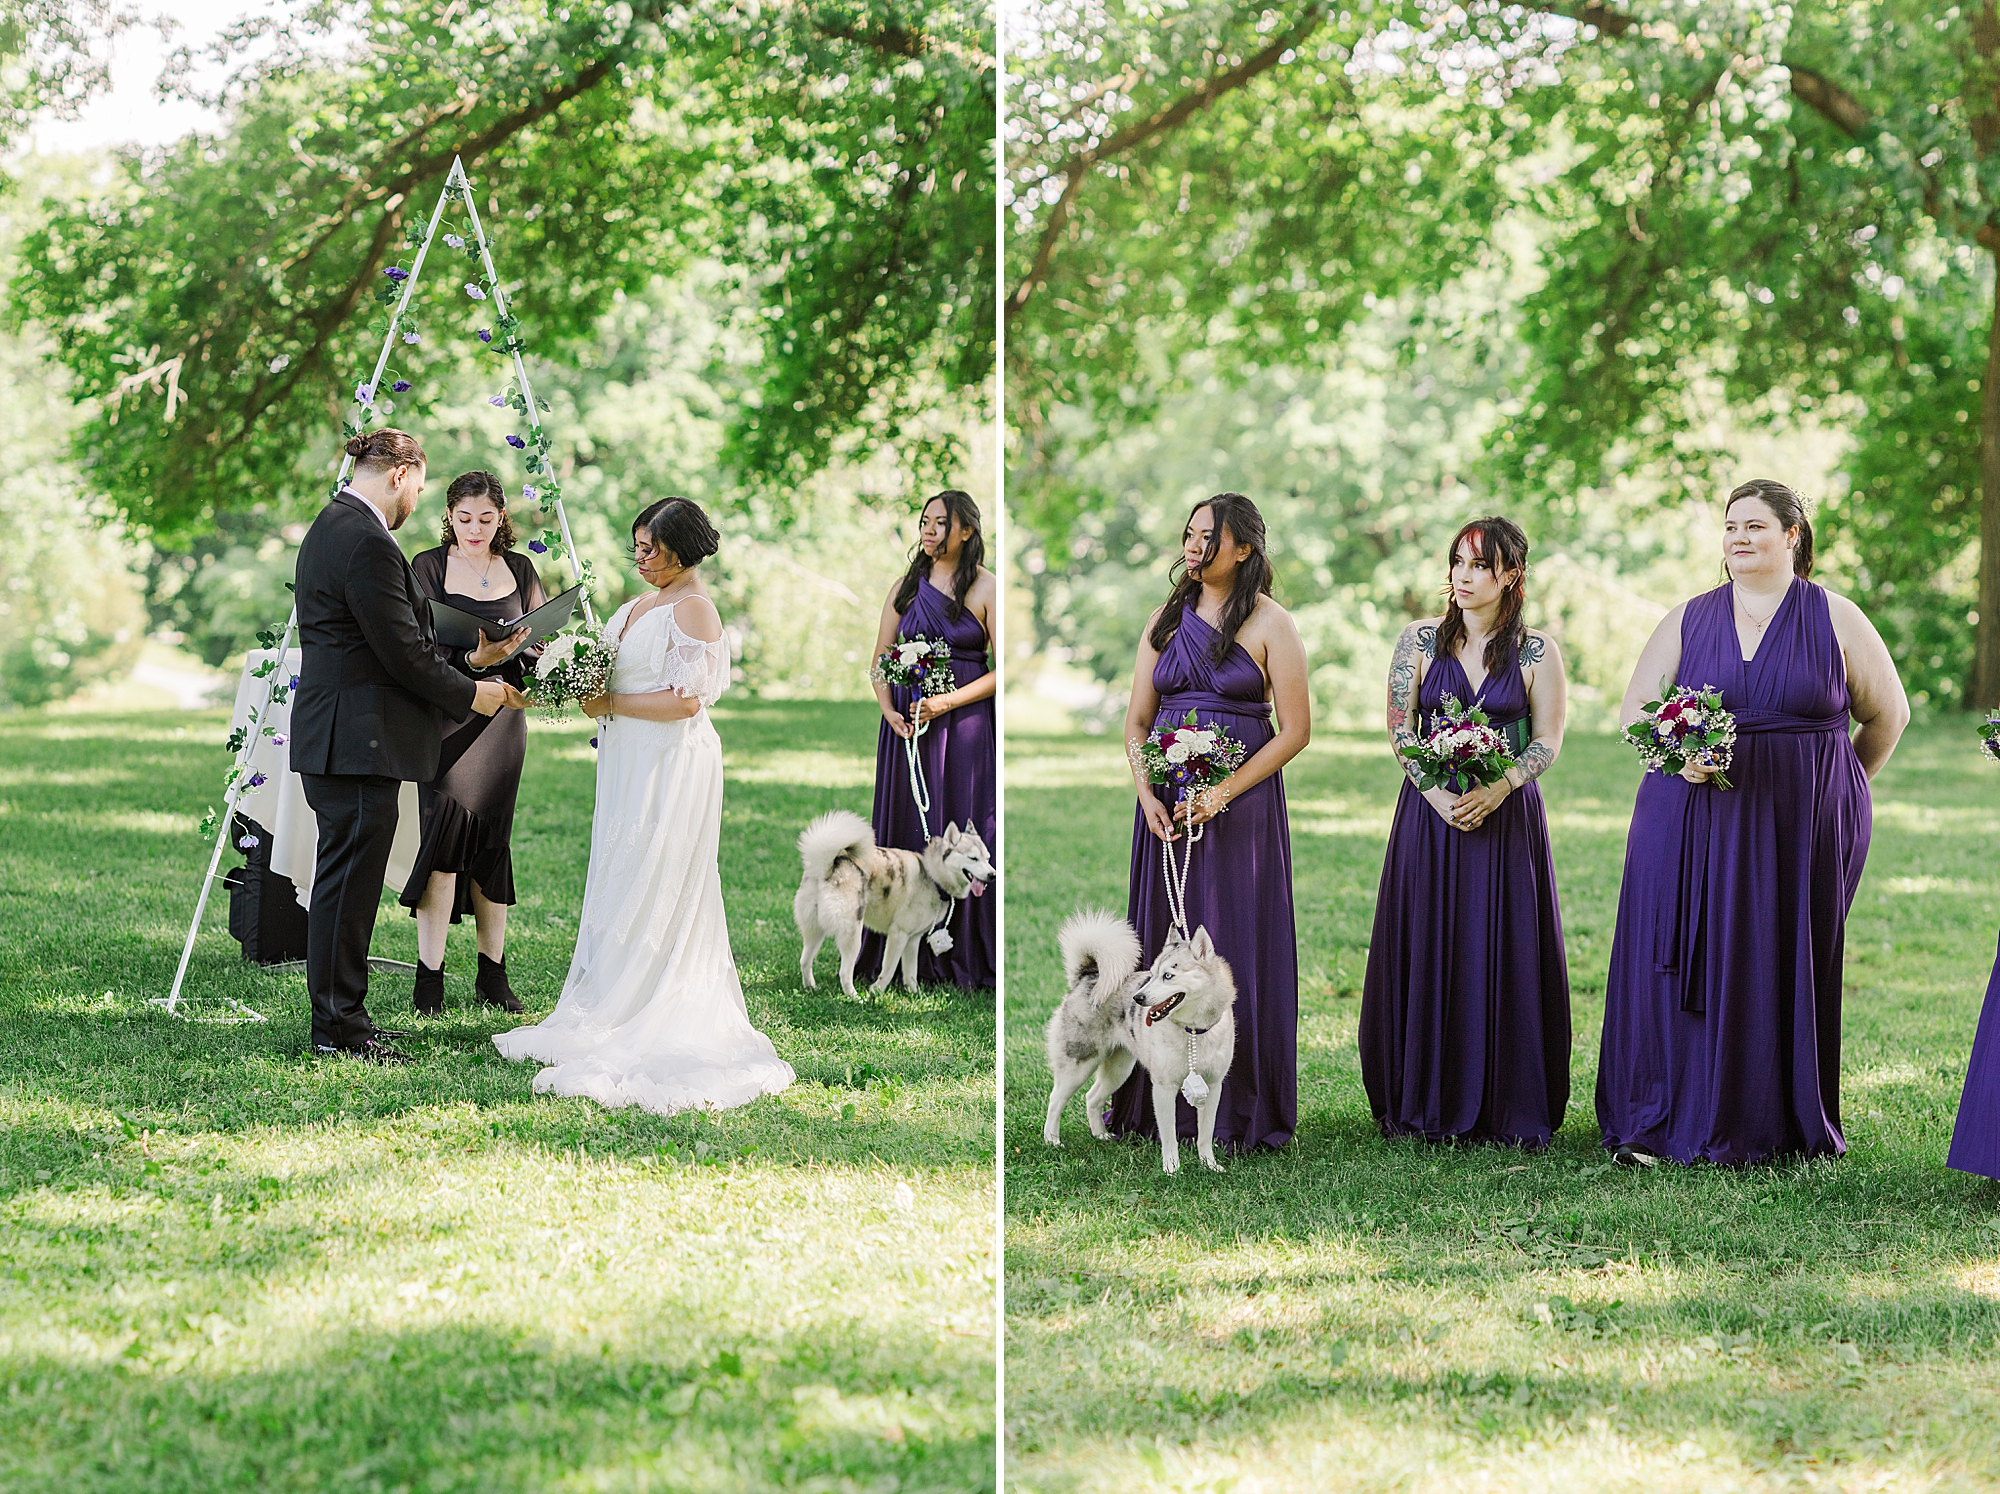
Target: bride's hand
(597, 707)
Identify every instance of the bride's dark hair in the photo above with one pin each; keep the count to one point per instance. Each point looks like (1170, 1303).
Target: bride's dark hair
(961, 510)
(1237, 515)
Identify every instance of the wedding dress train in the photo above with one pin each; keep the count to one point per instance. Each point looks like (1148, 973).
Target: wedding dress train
(652, 1013)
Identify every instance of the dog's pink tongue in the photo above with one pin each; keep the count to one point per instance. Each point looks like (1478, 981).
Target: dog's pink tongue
(979, 889)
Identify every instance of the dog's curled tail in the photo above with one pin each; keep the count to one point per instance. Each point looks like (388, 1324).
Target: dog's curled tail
(833, 835)
(1100, 946)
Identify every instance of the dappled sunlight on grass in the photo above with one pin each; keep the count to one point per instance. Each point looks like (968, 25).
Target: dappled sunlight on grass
(223, 1266)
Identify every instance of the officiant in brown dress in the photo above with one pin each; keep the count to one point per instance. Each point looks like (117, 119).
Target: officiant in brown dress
(465, 864)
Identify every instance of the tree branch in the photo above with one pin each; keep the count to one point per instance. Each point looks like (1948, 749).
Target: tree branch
(1078, 168)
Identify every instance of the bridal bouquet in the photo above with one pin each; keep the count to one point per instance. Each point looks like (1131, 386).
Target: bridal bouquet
(1463, 751)
(920, 664)
(1190, 756)
(573, 666)
(1686, 726)
(1989, 735)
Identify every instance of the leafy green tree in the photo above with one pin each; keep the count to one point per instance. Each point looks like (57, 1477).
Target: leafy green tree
(219, 301)
(1789, 208)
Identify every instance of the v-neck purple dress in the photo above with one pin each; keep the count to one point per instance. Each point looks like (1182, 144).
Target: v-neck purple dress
(1722, 1006)
(1975, 1140)
(1465, 1007)
(1239, 887)
(960, 760)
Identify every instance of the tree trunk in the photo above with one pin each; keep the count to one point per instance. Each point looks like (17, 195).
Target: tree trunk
(1983, 693)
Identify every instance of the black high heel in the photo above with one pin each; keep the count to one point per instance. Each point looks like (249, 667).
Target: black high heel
(492, 985)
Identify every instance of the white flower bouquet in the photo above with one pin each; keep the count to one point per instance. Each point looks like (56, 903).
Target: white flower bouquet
(1190, 756)
(573, 666)
(920, 664)
(1684, 726)
(1462, 752)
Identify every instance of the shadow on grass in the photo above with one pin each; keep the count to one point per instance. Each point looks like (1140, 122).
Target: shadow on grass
(476, 1407)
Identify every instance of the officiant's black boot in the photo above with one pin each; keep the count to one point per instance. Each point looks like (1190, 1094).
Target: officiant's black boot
(428, 997)
(492, 985)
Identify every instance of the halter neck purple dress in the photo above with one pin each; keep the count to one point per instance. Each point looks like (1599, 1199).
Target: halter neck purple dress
(961, 769)
(1975, 1140)
(1240, 889)
(1465, 1006)
(1722, 1006)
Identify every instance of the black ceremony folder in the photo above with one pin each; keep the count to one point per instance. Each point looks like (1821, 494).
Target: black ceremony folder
(458, 629)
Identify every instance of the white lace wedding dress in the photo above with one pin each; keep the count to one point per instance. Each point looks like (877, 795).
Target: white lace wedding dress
(652, 1013)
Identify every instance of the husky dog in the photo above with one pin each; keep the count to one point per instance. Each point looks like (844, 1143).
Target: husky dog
(851, 884)
(1117, 1014)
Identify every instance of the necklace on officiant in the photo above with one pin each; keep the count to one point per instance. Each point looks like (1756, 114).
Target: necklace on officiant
(485, 576)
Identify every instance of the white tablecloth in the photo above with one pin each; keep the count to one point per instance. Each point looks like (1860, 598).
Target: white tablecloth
(280, 805)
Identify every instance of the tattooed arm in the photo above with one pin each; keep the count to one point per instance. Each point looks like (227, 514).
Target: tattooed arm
(1548, 707)
(1406, 672)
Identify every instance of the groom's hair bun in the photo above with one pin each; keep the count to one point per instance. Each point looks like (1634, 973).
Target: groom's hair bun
(679, 525)
(384, 448)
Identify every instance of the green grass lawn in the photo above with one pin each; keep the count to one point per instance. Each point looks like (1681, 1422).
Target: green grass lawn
(1359, 1315)
(227, 1267)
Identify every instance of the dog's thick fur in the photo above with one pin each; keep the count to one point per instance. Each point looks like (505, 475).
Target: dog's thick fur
(850, 885)
(1116, 1015)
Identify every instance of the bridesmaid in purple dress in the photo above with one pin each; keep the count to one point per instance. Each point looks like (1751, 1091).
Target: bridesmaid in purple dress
(1465, 1006)
(1224, 649)
(946, 593)
(1722, 1006)
(1975, 1140)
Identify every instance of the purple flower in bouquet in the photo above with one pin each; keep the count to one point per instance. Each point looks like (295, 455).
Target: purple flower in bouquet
(399, 386)
(1462, 751)
(1684, 726)
(1190, 755)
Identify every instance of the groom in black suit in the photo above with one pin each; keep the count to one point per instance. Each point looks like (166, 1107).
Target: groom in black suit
(370, 710)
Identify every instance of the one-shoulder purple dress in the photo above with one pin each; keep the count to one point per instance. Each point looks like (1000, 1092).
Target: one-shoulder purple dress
(1722, 1006)
(1240, 888)
(1975, 1140)
(960, 761)
(1465, 1006)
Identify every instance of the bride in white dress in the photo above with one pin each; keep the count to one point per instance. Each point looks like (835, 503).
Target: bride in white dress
(652, 1013)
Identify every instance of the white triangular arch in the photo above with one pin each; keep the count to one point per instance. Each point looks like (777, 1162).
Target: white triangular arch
(457, 185)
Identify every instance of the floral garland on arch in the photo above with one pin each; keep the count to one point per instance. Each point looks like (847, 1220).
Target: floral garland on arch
(397, 326)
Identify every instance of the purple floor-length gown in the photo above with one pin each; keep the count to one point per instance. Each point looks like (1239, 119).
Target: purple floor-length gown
(1975, 1140)
(1722, 1006)
(1240, 889)
(1465, 1006)
(960, 764)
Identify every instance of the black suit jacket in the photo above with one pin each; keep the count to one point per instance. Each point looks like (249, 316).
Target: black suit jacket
(373, 694)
